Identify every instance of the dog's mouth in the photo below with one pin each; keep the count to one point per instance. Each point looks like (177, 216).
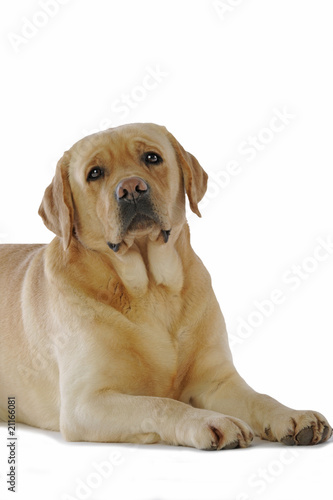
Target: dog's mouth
(141, 222)
(138, 219)
(138, 222)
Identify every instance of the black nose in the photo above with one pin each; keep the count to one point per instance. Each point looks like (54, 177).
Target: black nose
(130, 189)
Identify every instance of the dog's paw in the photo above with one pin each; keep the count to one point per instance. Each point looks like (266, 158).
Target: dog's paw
(208, 430)
(298, 428)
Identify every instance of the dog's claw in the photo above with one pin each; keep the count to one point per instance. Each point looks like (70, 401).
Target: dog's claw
(325, 434)
(114, 246)
(288, 441)
(166, 234)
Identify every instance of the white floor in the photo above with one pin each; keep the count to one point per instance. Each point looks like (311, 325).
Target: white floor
(51, 469)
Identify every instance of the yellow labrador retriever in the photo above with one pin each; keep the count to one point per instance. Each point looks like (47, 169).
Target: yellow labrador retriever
(112, 332)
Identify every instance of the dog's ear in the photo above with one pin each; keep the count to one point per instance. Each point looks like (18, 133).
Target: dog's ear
(195, 178)
(57, 209)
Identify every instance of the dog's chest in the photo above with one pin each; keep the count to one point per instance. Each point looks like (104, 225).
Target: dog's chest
(153, 343)
(144, 316)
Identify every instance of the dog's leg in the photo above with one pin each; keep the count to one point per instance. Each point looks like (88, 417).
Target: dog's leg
(107, 416)
(230, 395)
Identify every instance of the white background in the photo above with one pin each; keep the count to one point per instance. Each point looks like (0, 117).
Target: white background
(223, 76)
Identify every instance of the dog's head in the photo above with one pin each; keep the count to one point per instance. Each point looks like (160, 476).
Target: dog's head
(121, 184)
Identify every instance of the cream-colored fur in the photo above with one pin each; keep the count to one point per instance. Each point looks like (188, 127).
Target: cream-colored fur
(127, 346)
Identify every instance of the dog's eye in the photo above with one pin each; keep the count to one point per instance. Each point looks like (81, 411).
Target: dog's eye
(95, 173)
(152, 158)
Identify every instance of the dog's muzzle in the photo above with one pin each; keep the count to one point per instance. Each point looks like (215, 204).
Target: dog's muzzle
(136, 211)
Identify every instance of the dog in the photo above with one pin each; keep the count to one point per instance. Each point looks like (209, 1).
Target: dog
(112, 332)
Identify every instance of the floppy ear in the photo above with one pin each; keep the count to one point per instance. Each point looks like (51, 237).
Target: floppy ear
(195, 178)
(57, 209)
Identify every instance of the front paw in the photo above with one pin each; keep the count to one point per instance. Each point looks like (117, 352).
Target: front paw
(208, 430)
(298, 428)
